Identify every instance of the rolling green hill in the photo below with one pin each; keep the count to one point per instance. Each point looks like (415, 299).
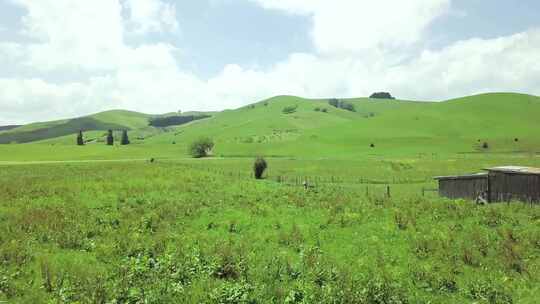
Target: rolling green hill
(392, 126)
(116, 119)
(507, 122)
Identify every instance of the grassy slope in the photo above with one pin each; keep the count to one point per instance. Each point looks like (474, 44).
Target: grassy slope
(116, 119)
(397, 128)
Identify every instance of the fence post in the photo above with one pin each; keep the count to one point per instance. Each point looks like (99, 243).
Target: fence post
(423, 192)
(388, 191)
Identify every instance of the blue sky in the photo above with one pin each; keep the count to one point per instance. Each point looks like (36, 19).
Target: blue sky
(63, 58)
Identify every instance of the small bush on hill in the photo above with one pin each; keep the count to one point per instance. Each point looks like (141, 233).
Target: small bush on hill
(202, 147)
(289, 109)
(347, 106)
(336, 103)
(317, 109)
(259, 167)
(324, 110)
(485, 145)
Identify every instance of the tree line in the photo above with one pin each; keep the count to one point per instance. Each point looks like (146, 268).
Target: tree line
(109, 140)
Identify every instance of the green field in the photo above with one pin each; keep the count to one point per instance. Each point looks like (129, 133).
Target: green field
(102, 224)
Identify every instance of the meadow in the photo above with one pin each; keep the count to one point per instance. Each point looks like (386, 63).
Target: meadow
(204, 231)
(147, 223)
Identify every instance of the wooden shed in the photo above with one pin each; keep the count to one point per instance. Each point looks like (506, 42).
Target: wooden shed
(463, 186)
(513, 183)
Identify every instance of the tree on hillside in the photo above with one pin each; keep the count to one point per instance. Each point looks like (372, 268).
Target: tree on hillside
(202, 147)
(125, 138)
(381, 95)
(80, 139)
(334, 102)
(110, 138)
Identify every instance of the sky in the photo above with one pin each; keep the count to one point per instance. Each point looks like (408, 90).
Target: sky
(68, 58)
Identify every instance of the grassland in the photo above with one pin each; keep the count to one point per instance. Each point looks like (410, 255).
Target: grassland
(181, 232)
(99, 224)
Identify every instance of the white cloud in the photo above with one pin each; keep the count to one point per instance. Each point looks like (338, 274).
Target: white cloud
(148, 16)
(147, 78)
(359, 25)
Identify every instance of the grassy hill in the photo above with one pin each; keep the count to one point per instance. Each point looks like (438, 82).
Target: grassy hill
(116, 119)
(392, 126)
(506, 122)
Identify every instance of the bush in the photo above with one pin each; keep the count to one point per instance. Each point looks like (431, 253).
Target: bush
(289, 109)
(317, 109)
(485, 145)
(324, 110)
(334, 102)
(201, 147)
(347, 106)
(259, 167)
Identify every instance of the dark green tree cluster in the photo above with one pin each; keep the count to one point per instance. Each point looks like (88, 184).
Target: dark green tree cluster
(336, 103)
(175, 120)
(381, 95)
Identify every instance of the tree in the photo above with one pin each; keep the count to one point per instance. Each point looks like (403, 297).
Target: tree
(381, 95)
(110, 138)
(334, 102)
(125, 138)
(347, 106)
(80, 139)
(202, 147)
(259, 167)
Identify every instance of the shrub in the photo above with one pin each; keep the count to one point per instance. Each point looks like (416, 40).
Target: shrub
(289, 109)
(485, 145)
(324, 110)
(516, 139)
(347, 106)
(334, 102)
(372, 145)
(201, 147)
(317, 109)
(259, 167)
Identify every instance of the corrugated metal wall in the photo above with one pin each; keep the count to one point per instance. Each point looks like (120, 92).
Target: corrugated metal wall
(506, 187)
(467, 188)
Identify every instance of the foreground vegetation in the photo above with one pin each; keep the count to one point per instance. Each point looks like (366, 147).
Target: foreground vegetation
(188, 232)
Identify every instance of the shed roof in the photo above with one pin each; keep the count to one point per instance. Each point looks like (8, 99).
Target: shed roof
(467, 176)
(515, 170)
